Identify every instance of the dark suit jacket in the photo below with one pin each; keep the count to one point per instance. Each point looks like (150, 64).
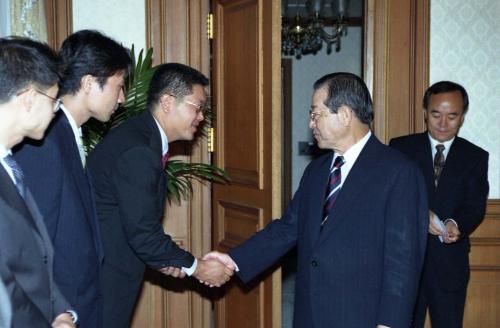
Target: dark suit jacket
(62, 190)
(363, 268)
(461, 195)
(130, 188)
(26, 259)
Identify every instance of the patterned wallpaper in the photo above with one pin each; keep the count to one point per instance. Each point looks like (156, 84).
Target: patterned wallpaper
(465, 48)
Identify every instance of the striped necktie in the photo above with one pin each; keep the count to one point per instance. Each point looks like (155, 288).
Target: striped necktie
(438, 162)
(333, 188)
(17, 173)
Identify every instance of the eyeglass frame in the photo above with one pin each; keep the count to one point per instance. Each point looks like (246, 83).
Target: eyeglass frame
(57, 101)
(199, 108)
(314, 116)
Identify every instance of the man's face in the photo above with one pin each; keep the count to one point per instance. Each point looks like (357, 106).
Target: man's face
(103, 101)
(186, 114)
(41, 113)
(444, 115)
(326, 126)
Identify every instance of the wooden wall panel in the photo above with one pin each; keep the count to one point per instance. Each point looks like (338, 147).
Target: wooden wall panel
(176, 30)
(396, 63)
(59, 14)
(483, 294)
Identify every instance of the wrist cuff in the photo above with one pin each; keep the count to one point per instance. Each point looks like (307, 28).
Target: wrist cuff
(74, 316)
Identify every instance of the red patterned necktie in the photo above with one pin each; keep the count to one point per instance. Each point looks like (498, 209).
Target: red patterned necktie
(333, 188)
(164, 159)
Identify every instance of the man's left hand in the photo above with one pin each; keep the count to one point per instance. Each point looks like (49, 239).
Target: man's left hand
(453, 232)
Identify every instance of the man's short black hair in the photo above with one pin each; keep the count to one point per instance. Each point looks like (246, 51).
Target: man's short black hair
(89, 52)
(23, 62)
(444, 87)
(174, 79)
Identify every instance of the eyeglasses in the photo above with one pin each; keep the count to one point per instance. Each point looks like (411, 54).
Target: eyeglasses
(57, 101)
(199, 108)
(314, 116)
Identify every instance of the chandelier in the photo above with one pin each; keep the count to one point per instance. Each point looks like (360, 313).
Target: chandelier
(302, 34)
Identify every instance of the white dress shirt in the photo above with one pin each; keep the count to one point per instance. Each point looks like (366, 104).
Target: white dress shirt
(434, 143)
(164, 146)
(77, 132)
(350, 157)
(447, 145)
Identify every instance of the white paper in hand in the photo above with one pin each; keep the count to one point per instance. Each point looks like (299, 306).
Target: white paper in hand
(442, 228)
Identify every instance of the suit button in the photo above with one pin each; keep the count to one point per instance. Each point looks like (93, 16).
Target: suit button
(45, 259)
(314, 263)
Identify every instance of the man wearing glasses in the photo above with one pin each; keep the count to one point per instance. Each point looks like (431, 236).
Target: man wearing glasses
(91, 87)
(29, 72)
(130, 185)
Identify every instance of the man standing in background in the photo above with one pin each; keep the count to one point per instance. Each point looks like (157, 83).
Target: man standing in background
(456, 174)
(29, 72)
(91, 87)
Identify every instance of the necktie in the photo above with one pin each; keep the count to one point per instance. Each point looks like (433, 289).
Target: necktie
(333, 187)
(18, 174)
(438, 162)
(164, 159)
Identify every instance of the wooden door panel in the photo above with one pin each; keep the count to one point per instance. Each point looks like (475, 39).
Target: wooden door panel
(243, 80)
(240, 97)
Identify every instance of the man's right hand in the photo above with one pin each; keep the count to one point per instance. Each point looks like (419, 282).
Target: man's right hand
(63, 320)
(212, 272)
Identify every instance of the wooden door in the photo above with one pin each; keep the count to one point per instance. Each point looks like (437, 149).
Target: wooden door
(246, 97)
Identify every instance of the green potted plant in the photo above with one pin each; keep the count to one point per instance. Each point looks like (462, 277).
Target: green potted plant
(179, 173)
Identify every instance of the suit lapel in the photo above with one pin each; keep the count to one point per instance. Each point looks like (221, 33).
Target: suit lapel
(317, 195)
(366, 162)
(25, 207)
(71, 152)
(452, 167)
(11, 196)
(423, 156)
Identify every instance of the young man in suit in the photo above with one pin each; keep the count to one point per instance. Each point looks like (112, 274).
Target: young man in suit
(130, 186)
(358, 219)
(91, 87)
(456, 174)
(29, 72)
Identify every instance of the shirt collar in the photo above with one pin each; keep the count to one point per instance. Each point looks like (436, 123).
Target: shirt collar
(352, 153)
(164, 139)
(4, 152)
(76, 130)
(434, 143)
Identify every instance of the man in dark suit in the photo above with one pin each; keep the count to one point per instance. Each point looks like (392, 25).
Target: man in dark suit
(29, 72)
(130, 186)
(358, 219)
(456, 174)
(91, 87)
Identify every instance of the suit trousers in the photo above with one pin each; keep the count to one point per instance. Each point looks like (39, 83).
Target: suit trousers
(446, 308)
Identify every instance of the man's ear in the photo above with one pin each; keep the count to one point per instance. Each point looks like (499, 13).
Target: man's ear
(166, 102)
(27, 99)
(86, 83)
(345, 115)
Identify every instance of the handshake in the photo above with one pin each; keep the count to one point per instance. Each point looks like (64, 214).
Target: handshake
(214, 269)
